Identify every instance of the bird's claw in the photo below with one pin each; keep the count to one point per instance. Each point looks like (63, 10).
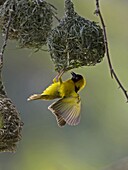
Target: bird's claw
(58, 76)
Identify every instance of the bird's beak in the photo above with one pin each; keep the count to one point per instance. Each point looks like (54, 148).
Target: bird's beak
(73, 74)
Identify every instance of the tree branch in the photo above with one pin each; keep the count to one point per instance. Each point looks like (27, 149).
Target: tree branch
(112, 71)
(2, 50)
(5, 39)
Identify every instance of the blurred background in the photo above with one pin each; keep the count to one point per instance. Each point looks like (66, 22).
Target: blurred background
(102, 136)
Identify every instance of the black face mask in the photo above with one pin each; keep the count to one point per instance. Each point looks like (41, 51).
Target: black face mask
(76, 77)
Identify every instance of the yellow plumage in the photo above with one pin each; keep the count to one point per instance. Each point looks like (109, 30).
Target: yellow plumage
(67, 108)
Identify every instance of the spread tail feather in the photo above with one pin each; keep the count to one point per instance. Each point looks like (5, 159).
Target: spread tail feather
(60, 121)
(67, 110)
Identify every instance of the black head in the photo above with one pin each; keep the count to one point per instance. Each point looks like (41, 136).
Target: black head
(76, 77)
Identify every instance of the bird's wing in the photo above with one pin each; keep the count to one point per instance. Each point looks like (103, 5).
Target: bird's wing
(67, 109)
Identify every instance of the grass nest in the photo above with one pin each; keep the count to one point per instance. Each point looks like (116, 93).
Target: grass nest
(76, 41)
(31, 21)
(10, 125)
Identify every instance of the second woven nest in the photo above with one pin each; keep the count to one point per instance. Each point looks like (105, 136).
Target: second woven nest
(76, 41)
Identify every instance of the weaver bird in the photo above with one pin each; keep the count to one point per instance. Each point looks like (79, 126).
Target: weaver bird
(67, 108)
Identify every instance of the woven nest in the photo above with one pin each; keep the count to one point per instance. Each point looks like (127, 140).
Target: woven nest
(10, 125)
(76, 41)
(31, 21)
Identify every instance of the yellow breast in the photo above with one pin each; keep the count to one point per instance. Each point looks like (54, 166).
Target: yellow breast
(67, 88)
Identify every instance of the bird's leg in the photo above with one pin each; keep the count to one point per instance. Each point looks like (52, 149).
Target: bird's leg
(58, 76)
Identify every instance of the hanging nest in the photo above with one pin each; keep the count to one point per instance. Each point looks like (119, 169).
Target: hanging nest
(31, 21)
(10, 125)
(76, 41)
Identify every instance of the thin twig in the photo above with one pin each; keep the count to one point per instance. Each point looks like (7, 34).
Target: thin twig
(5, 39)
(112, 71)
(2, 50)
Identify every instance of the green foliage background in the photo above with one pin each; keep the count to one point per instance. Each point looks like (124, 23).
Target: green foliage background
(101, 137)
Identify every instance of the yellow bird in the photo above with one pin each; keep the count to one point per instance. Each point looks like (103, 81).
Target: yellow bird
(67, 108)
